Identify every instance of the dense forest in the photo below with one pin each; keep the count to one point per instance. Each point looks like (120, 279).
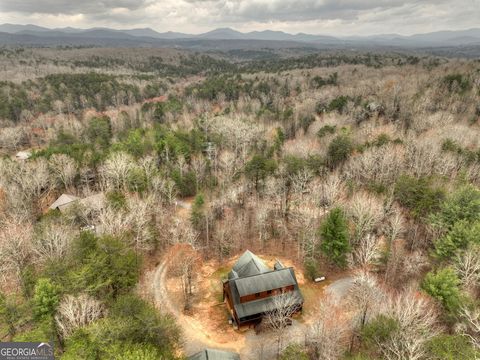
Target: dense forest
(358, 163)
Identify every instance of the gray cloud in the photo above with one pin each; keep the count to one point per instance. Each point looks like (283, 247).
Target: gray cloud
(315, 16)
(69, 6)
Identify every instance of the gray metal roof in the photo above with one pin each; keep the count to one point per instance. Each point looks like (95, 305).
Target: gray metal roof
(63, 201)
(265, 304)
(213, 354)
(248, 264)
(264, 282)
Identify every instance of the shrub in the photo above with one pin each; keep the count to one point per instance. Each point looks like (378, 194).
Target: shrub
(99, 131)
(459, 237)
(339, 150)
(45, 298)
(326, 129)
(457, 83)
(293, 352)
(321, 107)
(379, 330)
(306, 121)
(418, 195)
(443, 285)
(186, 183)
(259, 168)
(338, 104)
(463, 204)
(451, 347)
(116, 199)
(107, 268)
(311, 268)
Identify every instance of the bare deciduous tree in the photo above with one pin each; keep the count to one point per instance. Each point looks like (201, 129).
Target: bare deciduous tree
(395, 226)
(305, 227)
(326, 193)
(164, 189)
(467, 265)
(53, 241)
(64, 168)
(327, 336)
(184, 266)
(469, 325)
(135, 220)
(366, 211)
(379, 165)
(12, 137)
(417, 323)
(77, 311)
(116, 169)
(284, 306)
(365, 297)
(180, 231)
(300, 181)
(366, 251)
(15, 247)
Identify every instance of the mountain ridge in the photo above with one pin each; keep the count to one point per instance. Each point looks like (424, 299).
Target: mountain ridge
(66, 35)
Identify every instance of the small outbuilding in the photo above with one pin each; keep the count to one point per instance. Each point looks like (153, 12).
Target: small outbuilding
(213, 354)
(251, 289)
(63, 202)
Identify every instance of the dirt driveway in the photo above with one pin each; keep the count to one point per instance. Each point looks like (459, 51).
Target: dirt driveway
(338, 289)
(205, 328)
(197, 336)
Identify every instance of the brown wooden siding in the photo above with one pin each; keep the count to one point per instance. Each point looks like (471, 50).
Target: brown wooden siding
(227, 294)
(265, 294)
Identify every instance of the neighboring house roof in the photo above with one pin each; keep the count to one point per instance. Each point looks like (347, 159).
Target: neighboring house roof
(96, 201)
(63, 201)
(212, 354)
(247, 265)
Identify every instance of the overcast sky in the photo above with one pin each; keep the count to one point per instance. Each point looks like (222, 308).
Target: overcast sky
(331, 17)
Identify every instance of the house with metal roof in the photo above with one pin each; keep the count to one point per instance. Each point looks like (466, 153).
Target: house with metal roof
(93, 202)
(63, 202)
(252, 286)
(213, 354)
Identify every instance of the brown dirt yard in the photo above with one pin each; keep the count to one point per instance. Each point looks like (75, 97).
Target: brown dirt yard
(205, 324)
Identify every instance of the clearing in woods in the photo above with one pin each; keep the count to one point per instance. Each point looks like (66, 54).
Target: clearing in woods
(205, 324)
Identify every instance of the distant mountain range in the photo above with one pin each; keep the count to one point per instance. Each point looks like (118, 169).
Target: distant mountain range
(12, 34)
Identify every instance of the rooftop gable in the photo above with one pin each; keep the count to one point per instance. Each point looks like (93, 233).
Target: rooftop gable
(247, 265)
